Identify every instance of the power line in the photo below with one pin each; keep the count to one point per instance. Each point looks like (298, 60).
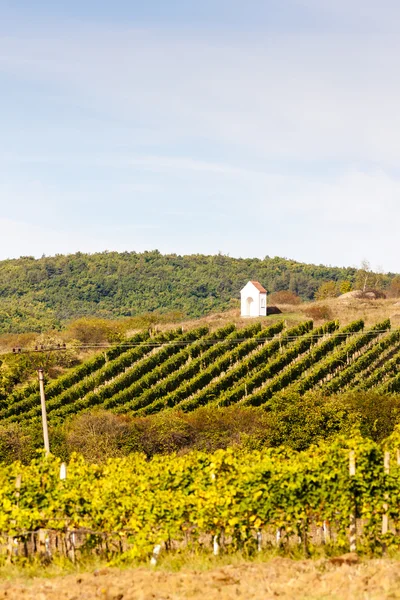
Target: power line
(209, 342)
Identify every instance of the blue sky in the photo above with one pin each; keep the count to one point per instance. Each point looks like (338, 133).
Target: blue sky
(258, 128)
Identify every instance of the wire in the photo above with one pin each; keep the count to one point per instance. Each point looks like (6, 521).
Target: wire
(205, 342)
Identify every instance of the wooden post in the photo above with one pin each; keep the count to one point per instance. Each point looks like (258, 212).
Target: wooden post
(12, 543)
(70, 545)
(41, 545)
(304, 536)
(70, 538)
(353, 526)
(385, 516)
(44, 414)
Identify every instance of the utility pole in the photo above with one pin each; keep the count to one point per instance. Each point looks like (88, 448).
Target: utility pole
(44, 414)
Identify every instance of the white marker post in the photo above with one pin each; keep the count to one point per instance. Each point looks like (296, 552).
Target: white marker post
(156, 554)
(216, 545)
(385, 516)
(63, 471)
(353, 525)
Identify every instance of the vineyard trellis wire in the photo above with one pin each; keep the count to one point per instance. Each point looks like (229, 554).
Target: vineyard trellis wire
(187, 369)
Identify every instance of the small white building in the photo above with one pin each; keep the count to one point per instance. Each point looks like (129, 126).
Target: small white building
(253, 300)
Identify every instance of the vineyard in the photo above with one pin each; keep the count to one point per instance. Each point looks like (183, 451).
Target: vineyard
(345, 494)
(188, 369)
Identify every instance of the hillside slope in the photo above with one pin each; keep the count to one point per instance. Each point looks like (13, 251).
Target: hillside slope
(248, 365)
(43, 294)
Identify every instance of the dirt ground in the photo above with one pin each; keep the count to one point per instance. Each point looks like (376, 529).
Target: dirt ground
(278, 578)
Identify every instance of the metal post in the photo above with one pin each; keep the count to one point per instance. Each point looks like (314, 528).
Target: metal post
(44, 414)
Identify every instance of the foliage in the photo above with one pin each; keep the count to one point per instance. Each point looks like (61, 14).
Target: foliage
(328, 289)
(98, 435)
(345, 287)
(44, 294)
(186, 370)
(94, 331)
(394, 288)
(319, 312)
(293, 421)
(18, 368)
(229, 493)
(288, 373)
(366, 364)
(284, 297)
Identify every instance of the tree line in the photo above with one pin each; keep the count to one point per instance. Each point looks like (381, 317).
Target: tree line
(44, 294)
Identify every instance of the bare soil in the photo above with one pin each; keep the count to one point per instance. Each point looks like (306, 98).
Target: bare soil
(278, 578)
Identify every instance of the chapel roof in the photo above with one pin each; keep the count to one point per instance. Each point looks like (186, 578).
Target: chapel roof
(258, 285)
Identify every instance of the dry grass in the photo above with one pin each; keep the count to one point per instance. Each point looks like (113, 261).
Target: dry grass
(346, 310)
(372, 311)
(285, 578)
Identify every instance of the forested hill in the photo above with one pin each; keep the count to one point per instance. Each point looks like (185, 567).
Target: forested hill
(39, 294)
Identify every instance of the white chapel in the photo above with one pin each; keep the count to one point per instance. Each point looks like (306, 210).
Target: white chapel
(253, 300)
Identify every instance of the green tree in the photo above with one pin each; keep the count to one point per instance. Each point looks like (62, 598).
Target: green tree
(327, 290)
(364, 276)
(394, 289)
(345, 287)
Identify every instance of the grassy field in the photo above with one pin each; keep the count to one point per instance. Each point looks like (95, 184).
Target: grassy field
(262, 579)
(345, 310)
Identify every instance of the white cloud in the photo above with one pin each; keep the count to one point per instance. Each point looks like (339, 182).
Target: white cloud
(305, 129)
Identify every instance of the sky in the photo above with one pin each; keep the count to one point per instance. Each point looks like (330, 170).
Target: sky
(257, 128)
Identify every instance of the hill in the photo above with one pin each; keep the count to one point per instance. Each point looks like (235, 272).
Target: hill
(247, 366)
(43, 294)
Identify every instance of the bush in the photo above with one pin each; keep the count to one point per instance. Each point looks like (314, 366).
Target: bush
(292, 421)
(94, 331)
(98, 435)
(372, 294)
(284, 297)
(318, 312)
(394, 289)
(16, 444)
(206, 429)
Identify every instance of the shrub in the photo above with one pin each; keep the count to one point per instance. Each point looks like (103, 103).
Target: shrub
(394, 290)
(318, 312)
(345, 287)
(372, 294)
(284, 297)
(89, 330)
(16, 444)
(98, 435)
